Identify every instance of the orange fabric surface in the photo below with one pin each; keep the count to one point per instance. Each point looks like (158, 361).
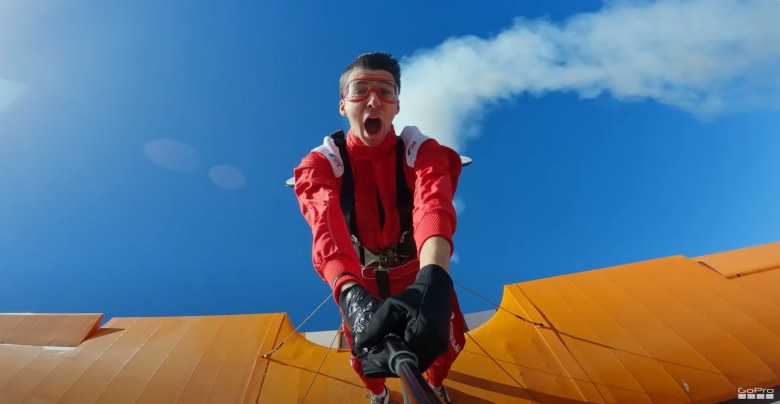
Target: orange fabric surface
(669, 330)
(47, 329)
(746, 261)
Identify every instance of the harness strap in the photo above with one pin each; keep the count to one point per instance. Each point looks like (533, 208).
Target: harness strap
(382, 275)
(347, 197)
(404, 203)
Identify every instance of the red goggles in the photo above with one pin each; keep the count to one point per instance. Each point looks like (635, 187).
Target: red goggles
(359, 89)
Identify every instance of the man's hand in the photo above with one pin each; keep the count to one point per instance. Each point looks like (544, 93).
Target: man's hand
(358, 306)
(420, 313)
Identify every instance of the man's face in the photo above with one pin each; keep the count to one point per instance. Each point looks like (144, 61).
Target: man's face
(369, 106)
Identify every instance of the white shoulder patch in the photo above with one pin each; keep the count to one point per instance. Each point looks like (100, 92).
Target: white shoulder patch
(331, 152)
(412, 138)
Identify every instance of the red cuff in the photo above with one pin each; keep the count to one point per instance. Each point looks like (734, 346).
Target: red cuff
(337, 272)
(434, 223)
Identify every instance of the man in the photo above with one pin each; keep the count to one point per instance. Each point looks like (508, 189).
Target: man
(380, 209)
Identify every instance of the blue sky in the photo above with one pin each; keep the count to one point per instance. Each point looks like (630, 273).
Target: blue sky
(144, 145)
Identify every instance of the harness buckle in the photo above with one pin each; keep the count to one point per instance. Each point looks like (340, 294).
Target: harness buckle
(389, 258)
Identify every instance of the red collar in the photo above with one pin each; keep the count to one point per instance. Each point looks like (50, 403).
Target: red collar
(359, 151)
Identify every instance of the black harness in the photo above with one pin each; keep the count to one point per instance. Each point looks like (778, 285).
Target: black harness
(396, 254)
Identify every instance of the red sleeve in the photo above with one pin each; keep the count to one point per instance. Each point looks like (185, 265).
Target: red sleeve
(317, 190)
(436, 169)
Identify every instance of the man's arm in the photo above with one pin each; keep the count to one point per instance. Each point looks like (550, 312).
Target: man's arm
(437, 170)
(436, 250)
(333, 255)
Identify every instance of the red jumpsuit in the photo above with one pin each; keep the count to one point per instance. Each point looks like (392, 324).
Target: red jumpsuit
(431, 171)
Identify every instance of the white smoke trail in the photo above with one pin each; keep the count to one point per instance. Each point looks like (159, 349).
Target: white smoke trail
(703, 56)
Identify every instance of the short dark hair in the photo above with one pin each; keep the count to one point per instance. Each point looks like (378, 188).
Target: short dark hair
(373, 61)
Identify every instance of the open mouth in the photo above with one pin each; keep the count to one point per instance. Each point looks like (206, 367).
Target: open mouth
(372, 125)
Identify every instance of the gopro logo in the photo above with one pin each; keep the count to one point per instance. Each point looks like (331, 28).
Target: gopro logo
(756, 393)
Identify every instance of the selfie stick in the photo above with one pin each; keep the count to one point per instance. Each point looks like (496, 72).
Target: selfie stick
(403, 363)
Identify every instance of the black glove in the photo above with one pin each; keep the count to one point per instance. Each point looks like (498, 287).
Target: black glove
(358, 306)
(420, 313)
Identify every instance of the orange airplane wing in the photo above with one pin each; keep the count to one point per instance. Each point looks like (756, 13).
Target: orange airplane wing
(668, 330)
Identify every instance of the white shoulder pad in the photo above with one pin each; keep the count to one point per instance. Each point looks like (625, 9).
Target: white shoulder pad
(331, 151)
(412, 138)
